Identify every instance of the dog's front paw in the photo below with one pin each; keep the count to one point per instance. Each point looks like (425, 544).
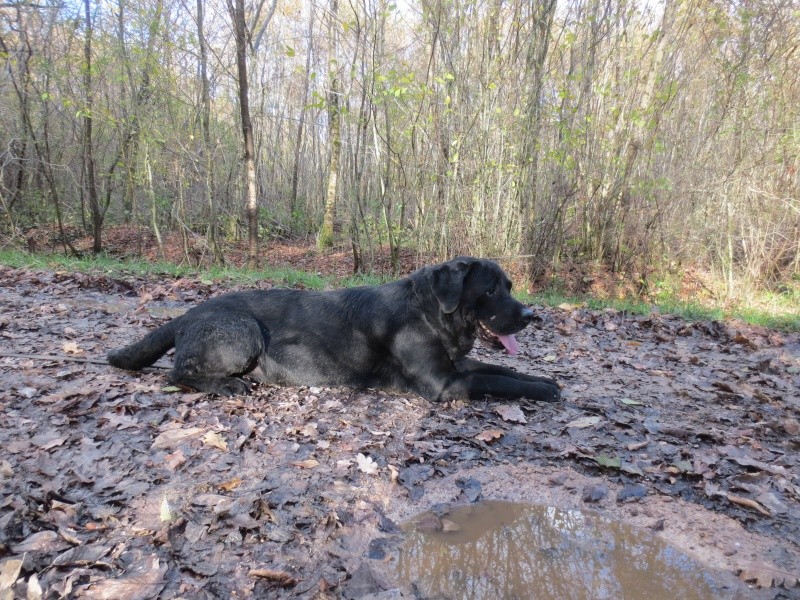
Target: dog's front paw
(231, 386)
(549, 392)
(556, 393)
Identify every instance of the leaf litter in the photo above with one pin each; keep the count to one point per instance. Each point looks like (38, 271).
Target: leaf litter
(113, 486)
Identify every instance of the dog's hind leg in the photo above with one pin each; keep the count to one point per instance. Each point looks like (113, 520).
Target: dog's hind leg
(212, 354)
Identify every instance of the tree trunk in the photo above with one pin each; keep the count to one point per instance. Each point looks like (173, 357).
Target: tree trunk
(325, 239)
(88, 153)
(300, 123)
(250, 184)
(535, 63)
(208, 150)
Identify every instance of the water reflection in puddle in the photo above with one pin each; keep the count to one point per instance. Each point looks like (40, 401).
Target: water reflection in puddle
(497, 550)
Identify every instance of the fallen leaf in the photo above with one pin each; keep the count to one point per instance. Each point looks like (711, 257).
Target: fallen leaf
(684, 466)
(142, 581)
(608, 461)
(628, 467)
(9, 572)
(176, 437)
(231, 484)
(282, 578)
(309, 463)
(630, 402)
(34, 591)
(88, 554)
(41, 541)
(748, 503)
(71, 348)
(489, 435)
(309, 430)
(584, 422)
(164, 512)
(511, 413)
(215, 440)
(366, 464)
(174, 460)
(48, 440)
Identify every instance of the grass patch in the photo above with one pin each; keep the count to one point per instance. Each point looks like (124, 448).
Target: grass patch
(784, 320)
(783, 316)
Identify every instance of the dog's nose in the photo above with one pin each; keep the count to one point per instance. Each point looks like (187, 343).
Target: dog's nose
(528, 314)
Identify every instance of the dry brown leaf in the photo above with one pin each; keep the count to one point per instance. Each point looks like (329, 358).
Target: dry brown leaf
(309, 430)
(490, 435)
(34, 590)
(41, 541)
(282, 578)
(71, 348)
(366, 464)
(511, 413)
(176, 437)
(748, 503)
(9, 571)
(174, 460)
(584, 422)
(231, 484)
(143, 581)
(215, 440)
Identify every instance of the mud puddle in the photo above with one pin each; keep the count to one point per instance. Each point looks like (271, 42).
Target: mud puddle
(504, 550)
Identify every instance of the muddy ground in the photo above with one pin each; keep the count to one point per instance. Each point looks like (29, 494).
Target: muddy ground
(114, 485)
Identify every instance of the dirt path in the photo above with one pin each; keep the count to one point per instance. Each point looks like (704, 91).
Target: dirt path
(113, 486)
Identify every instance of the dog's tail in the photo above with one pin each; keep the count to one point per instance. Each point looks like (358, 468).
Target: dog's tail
(147, 350)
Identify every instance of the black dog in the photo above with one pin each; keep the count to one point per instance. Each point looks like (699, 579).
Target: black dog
(412, 334)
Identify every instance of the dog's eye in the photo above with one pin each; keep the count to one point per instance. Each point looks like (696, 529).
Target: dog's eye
(490, 293)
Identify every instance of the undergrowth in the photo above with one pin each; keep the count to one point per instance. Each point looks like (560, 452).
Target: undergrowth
(783, 315)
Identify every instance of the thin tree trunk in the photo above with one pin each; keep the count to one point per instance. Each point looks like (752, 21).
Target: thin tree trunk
(208, 150)
(88, 153)
(250, 187)
(535, 63)
(325, 239)
(301, 121)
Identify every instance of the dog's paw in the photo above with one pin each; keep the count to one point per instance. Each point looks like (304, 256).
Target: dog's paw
(550, 392)
(556, 393)
(230, 386)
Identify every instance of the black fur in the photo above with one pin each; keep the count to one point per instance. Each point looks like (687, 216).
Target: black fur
(412, 334)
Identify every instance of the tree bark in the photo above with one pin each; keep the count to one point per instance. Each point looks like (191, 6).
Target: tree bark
(325, 239)
(251, 189)
(535, 63)
(208, 149)
(301, 120)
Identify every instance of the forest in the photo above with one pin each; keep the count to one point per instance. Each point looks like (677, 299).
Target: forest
(645, 137)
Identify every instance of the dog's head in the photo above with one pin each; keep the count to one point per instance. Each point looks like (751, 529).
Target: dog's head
(480, 291)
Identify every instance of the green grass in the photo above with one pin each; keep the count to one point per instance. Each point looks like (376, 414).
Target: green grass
(787, 319)
(784, 316)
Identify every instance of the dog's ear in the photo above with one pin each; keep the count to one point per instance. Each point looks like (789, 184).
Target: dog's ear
(447, 283)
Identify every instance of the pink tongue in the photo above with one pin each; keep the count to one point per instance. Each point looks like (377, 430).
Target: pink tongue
(509, 342)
